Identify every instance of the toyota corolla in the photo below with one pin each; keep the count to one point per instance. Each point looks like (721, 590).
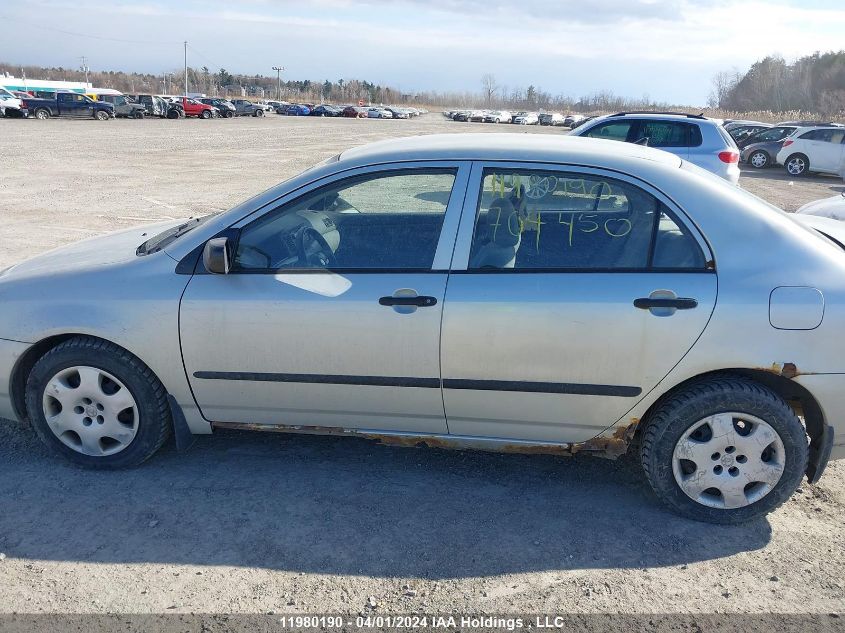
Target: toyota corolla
(501, 292)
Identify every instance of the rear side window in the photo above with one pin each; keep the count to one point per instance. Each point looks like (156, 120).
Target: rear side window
(669, 134)
(542, 220)
(611, 130)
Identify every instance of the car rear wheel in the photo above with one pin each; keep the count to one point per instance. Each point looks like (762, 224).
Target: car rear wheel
(97, 405)
(42, 113)
(102, 115)
(759, 160)
(724, 450)
(797, 165)
(205, 114)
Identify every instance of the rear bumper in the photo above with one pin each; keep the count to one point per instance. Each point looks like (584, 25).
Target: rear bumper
(10, 353)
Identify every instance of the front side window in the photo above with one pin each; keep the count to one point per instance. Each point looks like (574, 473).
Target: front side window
(774, 134)
(539, 220)
(612, 130)
(387, 221)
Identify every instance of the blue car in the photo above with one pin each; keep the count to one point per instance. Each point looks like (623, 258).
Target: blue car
(298, 109)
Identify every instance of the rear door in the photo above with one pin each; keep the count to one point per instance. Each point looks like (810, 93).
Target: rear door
(331, 314)
(573, 293)
(672, 136)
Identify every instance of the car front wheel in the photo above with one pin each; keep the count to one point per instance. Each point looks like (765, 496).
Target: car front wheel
(97, 405)
(102, 115)
(724, 450)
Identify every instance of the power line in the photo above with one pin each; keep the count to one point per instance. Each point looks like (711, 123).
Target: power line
(88, 35)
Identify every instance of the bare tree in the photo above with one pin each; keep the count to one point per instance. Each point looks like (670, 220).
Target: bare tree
(490, 87)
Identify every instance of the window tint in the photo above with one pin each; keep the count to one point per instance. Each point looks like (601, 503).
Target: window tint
(556, 220)
(774, 134)
(612, 130)
(390, 220)
(666, 133)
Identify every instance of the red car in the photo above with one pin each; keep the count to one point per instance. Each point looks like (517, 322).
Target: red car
(354, 112)
(193, 107)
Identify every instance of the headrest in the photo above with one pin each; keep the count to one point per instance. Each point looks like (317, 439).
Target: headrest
(503, 222)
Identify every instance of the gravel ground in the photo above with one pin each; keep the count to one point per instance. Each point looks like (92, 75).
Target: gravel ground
(259, 523)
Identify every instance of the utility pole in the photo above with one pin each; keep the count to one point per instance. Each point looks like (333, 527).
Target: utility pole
(84, 67)
(186, 68)
(278, 70)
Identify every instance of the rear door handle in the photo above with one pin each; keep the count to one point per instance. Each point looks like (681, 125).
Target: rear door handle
(418, 302)
(679, 303)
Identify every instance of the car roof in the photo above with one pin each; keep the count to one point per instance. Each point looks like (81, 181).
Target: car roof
(658, 116)
(810, 128)
(517, 147)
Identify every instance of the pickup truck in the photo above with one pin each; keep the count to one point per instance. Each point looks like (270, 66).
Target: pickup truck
(193, 107)
(69, 104)
(124, 106)
(10, 104)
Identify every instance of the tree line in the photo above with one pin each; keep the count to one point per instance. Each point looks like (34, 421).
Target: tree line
(813, 83)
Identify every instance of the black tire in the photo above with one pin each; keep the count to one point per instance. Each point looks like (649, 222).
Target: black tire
(673, 417)
(139, 114)
(172, 114)
(205, 114)
(759, 159)
(229, 114)
(101, 115)
(154, 421)
(802, 165)
(259, 112)
(42, 113)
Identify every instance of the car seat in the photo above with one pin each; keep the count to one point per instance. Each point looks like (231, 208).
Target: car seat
(498, 243)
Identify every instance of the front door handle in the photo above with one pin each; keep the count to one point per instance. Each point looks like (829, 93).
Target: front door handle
(418, 302)
(679, 303)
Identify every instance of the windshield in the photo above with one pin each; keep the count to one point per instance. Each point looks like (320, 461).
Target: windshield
(165, 238)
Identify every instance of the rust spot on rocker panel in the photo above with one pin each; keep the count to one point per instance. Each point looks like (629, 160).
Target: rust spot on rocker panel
(609, 446)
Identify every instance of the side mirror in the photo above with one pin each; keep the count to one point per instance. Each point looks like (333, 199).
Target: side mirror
(215, 256)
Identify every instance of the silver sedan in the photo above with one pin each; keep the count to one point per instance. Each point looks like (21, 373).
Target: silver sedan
(500, 292)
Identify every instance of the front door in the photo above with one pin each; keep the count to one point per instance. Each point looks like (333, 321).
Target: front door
(331, 314)
(572, 295)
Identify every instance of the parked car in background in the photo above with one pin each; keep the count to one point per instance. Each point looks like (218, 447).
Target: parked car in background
(157, 106)
(379, 113)
(326, 109)
(10, 104)
(462, 115)
(580, 122)
(354, 112)
(551, 118)
(224, 108)
(743, 131)
(573, 120)
(124, 106)
(759, 150)
(399, 113)
(262, 323)
(194, 108)
(693, 137)
(298, 109)
(281, 107)
(477, 116)
(497, 116)
(245, 107)
(69, 104)
(813, 149)
(527, 118)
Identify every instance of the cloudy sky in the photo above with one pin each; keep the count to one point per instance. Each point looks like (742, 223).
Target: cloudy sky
(667, 49)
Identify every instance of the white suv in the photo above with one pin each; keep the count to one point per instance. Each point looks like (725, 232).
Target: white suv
(819, 149)
(695, 138)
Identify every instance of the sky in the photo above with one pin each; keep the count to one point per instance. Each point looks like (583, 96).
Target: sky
(668, 50)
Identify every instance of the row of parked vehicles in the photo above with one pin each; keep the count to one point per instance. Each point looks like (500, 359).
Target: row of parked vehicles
(107, 106)
(519, 118)
(801, 147)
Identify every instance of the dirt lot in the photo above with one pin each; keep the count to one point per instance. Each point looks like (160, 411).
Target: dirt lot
(258, 523)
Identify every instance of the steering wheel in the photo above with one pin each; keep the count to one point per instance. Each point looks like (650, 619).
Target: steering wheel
(313, 250)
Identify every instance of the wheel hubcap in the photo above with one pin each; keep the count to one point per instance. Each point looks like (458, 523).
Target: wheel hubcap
(796, 166)
(90, 411)
(758, 160)
(728, 460)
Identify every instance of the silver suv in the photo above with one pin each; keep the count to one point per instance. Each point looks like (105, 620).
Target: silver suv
(695, 138)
